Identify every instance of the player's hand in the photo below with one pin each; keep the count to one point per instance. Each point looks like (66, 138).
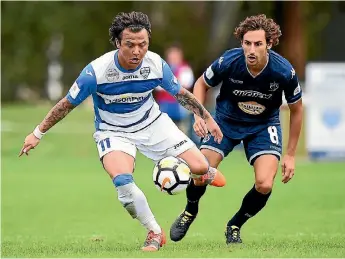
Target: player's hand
(214, 129)
(200, 127)
(288, 168)
(30, 142)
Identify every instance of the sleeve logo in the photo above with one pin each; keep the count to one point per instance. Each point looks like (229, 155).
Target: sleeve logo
(74, 91)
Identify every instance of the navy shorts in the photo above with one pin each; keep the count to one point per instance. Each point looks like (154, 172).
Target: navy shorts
(261, 139)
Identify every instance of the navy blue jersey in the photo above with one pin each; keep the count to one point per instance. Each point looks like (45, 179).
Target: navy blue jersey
(245, 98)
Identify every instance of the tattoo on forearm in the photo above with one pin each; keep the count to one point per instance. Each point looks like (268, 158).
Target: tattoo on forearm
(188, 100)
(57, 113)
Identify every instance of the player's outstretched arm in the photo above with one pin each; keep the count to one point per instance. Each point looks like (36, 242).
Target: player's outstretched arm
(57, 113)
(191, 103)
(296, 117)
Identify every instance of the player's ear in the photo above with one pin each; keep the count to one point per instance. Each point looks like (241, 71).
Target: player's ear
(269, 44)
(117, 43)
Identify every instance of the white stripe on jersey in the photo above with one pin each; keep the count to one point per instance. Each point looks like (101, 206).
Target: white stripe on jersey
(153, 114)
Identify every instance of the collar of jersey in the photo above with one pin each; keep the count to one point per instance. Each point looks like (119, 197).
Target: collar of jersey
(117, 64)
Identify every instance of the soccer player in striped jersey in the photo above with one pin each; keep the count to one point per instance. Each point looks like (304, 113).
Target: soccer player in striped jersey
(127, 118)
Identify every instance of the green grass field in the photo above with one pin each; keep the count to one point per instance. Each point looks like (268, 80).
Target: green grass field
(58, 202)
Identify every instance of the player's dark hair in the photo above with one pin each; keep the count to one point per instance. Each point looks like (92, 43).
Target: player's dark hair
(135, 21)
(259, 22)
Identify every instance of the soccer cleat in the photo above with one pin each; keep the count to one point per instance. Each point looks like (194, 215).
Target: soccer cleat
(213, 177)
(181, 225)
(154, 241)
(233, 235)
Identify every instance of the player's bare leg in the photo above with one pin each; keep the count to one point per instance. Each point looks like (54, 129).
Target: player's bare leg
(120, 166)
(194, 192)
(265, 168)
(202, 172)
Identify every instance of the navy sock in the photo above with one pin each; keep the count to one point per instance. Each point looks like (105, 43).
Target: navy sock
(252, 203)
(194, 193)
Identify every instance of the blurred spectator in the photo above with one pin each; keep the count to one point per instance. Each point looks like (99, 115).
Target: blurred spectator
(184, 74)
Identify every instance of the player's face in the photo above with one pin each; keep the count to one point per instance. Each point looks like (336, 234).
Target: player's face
(132, 48)
(255, 48)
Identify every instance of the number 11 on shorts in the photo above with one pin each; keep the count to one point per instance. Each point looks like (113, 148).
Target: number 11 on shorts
(107, 143)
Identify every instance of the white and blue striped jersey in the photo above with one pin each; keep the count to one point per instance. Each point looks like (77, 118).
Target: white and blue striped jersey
(123, 98)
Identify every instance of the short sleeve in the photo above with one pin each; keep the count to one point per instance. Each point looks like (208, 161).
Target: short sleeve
(84, 86)
(169, 81)
(292, 89)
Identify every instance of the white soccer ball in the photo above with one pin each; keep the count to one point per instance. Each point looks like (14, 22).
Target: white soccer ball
(171, 175)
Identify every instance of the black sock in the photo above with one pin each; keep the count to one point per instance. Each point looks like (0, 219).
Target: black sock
(252, 203)
(194, 194)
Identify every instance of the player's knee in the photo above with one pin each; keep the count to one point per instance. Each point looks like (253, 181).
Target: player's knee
(199, 166)
(264, 187)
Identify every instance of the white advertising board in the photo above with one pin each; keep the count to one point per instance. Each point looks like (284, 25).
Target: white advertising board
(325, 112)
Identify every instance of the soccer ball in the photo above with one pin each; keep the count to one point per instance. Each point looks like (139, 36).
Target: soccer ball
(171, 175)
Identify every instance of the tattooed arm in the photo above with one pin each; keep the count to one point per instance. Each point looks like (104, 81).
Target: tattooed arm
(189, 101)
(57, 113)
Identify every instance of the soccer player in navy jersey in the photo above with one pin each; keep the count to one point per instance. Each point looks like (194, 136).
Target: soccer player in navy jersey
(252, 80)
(127, 118)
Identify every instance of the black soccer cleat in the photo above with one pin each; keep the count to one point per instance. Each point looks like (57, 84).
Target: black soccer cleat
(181, 225)
(233, 235)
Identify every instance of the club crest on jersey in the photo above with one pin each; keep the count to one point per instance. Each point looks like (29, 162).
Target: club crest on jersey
(145, 71)
(274, 86)
(251, 107)
(112, 74)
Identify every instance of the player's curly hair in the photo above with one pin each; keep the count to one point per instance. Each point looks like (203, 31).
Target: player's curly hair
(135, 21)
(259, 22)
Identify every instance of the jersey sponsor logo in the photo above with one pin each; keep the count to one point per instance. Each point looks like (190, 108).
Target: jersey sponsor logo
(74, 91)
(209, 73)
(112, 74)
(251, 93)
(126, 99)
(130, 77)
(145, 71)
(297, 90)
(274, 86)
(236, 81)
(251, 107)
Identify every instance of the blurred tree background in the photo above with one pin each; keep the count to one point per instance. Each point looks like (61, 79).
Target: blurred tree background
(204, 29)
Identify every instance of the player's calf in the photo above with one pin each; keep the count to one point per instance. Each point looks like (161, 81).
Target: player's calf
(135, 202)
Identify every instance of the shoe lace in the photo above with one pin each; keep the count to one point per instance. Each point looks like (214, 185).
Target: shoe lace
(232, 233)
(235, 234)
(184, 220)
(150, 236)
